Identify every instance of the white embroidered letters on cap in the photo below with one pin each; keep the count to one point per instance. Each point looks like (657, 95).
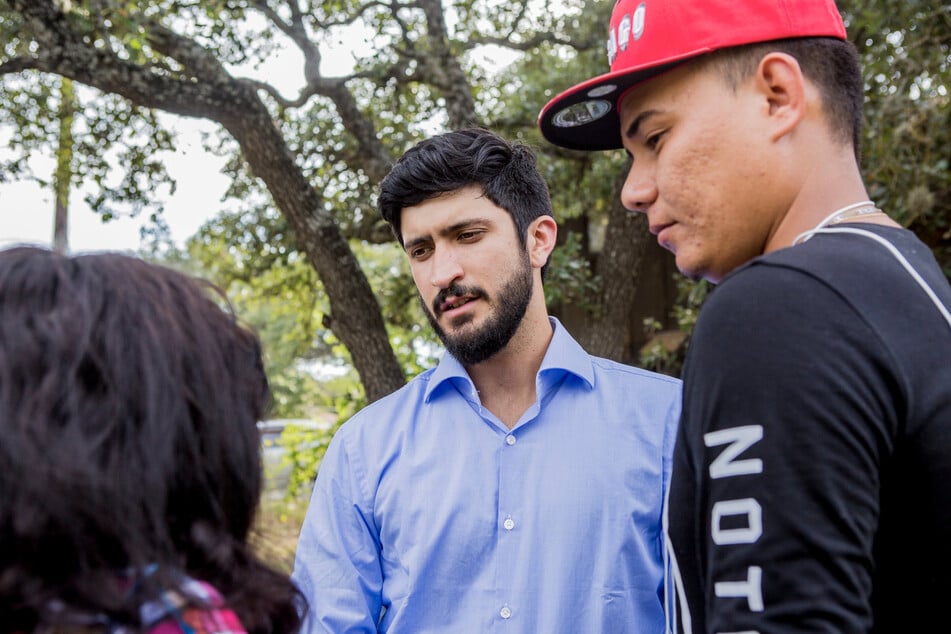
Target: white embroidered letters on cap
(612, 46)
(637, 28)
(624, 33)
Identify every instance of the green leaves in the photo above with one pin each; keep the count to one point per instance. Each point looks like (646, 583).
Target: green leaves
(906, 53)
(114, 144)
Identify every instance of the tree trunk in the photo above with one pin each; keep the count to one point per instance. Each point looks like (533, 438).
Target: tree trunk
(356, 318)
(210, 92)
(626, 259)
(63, 176)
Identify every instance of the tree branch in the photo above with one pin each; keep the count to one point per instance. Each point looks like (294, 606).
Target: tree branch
(64, 50)
(526, 44)
(17, 64)
(443, 70)
(191, 55)
(297, 32)
(353, 16)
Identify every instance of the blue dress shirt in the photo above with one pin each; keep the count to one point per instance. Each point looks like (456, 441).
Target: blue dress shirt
(429, 515)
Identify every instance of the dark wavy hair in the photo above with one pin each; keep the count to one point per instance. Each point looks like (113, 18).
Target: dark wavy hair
(506, 172)
(129, 397)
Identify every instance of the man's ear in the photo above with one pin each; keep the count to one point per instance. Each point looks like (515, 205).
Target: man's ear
(540, 240)
(788, 95)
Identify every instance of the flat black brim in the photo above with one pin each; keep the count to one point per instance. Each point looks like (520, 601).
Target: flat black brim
(585, 117)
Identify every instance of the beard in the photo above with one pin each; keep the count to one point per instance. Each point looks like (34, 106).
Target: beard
(482, 343)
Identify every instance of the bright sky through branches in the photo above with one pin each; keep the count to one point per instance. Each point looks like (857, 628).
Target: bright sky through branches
(26, 209)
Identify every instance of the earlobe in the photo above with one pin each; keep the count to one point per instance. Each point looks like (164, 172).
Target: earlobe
(780, 80)
(542, 234)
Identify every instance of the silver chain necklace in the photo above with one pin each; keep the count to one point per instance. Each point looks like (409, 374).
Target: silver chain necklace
(855, 210)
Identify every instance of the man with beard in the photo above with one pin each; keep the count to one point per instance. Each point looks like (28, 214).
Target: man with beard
(520, 483)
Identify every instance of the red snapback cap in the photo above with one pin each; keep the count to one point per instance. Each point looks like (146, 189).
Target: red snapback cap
(648, 37)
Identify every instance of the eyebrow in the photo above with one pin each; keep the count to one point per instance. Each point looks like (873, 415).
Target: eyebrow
(446, 231)
(638, 120)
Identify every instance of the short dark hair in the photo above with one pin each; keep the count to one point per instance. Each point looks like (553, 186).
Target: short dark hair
(832, 64)
(506, 172)
(129, 401)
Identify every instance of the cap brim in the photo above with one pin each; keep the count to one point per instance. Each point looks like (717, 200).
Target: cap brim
(586, 117)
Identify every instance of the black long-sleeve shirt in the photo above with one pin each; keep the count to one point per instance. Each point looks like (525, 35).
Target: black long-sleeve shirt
(812, 474)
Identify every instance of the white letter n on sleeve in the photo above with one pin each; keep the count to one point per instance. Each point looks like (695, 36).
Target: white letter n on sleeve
(739, 440)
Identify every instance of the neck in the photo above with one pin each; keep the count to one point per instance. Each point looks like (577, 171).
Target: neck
(831, 185)
(506, 382)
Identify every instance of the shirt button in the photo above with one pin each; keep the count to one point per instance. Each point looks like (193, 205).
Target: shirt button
(510, 440)
(509, 523)
(505, 612)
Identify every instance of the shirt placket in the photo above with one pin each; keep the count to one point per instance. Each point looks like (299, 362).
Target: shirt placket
(508, 517)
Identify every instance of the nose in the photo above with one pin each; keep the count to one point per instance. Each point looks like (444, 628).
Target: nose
(445, 268)
(640, 188)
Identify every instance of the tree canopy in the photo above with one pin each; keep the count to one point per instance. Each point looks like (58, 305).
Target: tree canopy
(304, 166)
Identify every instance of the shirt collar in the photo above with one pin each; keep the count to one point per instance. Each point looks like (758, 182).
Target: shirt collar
(564, 355)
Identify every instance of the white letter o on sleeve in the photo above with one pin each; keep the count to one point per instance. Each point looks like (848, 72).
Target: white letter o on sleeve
(741, 535)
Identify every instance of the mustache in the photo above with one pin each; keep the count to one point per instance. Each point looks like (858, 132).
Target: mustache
(455, 290)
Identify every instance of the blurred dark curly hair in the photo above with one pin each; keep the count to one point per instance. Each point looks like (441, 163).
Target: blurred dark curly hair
(129, 397)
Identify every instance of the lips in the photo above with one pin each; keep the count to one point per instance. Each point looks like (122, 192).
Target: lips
(658, 227)
(455, 297)
(454, 302)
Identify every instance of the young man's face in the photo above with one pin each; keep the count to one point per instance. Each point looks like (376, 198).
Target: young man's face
(699, 170)
(473, 274)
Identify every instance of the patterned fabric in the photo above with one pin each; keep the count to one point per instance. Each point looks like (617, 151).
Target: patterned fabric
(176, 613)
(193, 607)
